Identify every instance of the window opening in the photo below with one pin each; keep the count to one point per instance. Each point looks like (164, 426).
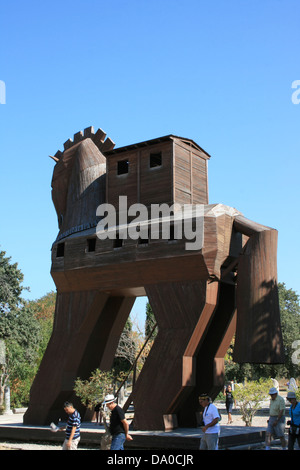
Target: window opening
(143, 241)
(155, 160)
(123, 167)
(91, 244)
(60, 250)
(118, 242)
(172, 233)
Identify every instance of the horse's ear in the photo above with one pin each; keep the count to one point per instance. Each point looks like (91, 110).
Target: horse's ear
(258, 330)
(54, 158)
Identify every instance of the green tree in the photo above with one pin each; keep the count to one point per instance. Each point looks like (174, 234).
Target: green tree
(25, 327)
(290, 324)
(22, 338)
(17, 327)
(33, 327)
(150, 321)
(92, 391)
(43, 310)
(126, 350)
(11, 279)
(250, 396)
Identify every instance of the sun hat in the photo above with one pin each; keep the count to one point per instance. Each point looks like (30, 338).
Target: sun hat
(273, 390)
(109, 399)
(203, 396)
(291, 395)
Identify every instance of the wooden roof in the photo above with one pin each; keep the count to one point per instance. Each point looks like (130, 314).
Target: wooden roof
(151, 142)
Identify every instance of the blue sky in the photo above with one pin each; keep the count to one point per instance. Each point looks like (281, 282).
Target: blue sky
(218, 72)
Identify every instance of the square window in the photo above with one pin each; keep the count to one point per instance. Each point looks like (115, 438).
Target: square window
(143, 241)
(60, 250)
(172, 233)
(118, 242)
(123, 167)
(91, 244)
(155, 160)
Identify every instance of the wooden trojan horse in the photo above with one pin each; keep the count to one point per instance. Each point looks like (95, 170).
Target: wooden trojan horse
(224, 285)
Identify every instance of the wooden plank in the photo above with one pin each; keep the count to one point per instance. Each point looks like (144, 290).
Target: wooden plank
(155, 182)
(99, 137)
(108, 145)
(68, 144)
(258, 337)
(78, 137)
(89, 132)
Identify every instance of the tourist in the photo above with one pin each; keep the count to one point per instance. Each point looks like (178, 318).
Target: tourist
(294, 412)
(97, 413)
(211, 428)
(292, 385)
(119, 426)
(72, 428)
(229, 401)
(276, 422)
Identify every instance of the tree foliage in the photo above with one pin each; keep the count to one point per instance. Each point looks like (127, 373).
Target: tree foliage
(250, 396)
(43, 310)
(25, 328)
(150, 321)
(126, 350)
(29, 333)
(92, 391)
(290, 324)
(11, 279)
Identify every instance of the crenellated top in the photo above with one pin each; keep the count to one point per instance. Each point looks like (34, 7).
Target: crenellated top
(99, 138)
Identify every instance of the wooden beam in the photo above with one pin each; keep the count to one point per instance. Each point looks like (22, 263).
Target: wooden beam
(108, 145)
(99, 137)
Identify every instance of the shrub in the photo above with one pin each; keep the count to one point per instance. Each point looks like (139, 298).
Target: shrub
(250, 396)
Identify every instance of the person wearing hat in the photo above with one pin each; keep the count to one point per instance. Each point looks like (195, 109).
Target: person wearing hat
(118, 426)
(211, 428)
(294, 412)
(276, 422)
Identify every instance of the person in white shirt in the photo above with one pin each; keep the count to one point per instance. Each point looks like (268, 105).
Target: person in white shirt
(211, 428)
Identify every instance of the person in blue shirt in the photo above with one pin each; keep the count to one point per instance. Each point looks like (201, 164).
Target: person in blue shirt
(72, 427)
(294, 412)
